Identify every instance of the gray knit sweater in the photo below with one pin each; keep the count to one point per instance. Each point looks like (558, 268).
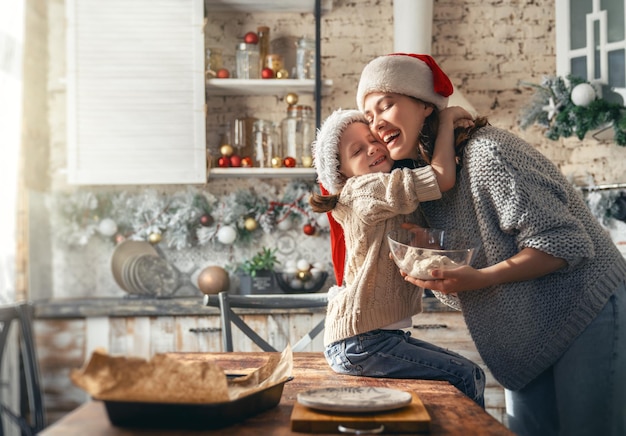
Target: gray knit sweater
(375, 294)
(513, 197)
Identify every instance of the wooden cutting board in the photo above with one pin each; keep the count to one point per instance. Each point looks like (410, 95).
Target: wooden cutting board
(408, 419)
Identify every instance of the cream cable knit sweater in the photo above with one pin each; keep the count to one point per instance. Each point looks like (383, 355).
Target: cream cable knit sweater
(512, 197)
(375, 294)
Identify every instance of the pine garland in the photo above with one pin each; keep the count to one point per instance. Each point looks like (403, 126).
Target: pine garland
(181, 220)
(552, 108)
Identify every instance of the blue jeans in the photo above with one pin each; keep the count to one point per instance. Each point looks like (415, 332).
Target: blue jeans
(395, 354)
(584, 392)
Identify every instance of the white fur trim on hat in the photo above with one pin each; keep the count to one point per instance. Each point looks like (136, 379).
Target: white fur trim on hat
(407, 74)
(326, 147)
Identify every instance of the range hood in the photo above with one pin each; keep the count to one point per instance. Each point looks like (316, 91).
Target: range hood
(413, 33)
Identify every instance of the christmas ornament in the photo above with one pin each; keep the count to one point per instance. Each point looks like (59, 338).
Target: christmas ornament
(226, 235)
(223, 73)
(267, 73)
(322, 221)
(250, 224)
(235, 161)
(308, 229)
(154, 238)
(304, 276)
(277, 162)
(119, 238)
(583, 94)
(223, 162)
(107, 227)
(226, 150)
(213, 280)
(291, 98)
(282, 74)
(307, 161)
(289, 162)
(206, 220)
(284, 224)
(251, 38)
(246, 161)
(303, 265)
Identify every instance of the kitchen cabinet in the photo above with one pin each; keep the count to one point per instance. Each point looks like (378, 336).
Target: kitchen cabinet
(135, 92)
(270, 87)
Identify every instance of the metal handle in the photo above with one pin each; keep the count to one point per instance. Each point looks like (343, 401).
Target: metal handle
(344, 429)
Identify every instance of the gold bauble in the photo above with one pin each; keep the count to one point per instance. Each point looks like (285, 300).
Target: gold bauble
(250, 224)
(226, 150)
(213, 280)
(305, 276)
(154, 238)
(307, 161)
(282, 74)
(277, 162)
(291, 98)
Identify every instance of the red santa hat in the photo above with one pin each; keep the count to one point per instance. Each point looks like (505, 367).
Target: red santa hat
(415, 75)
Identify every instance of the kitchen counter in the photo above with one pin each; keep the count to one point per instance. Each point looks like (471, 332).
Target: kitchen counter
(137, 306)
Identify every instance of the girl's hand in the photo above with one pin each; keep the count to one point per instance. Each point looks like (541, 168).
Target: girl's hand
(457, 117)
(449, 281)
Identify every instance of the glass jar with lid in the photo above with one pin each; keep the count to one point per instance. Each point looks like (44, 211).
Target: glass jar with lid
(247, 61)
(267, 149)
(298, 133)
(305, 59)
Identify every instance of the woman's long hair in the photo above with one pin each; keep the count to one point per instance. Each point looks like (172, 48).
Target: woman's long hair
(428, 135)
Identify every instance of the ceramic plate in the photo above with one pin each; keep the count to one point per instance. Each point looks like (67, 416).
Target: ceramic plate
(355, 399)
(124, 251)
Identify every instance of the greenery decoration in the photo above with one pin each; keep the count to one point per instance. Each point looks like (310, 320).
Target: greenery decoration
(552, 107)
(192, 217)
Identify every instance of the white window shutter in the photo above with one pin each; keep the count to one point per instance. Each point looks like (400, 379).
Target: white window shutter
(135, 92)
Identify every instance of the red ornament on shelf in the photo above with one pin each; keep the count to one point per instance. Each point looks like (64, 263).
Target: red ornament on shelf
(267, 73)
(308, 229)
(289, 162)
(223, 73)
(251, 38)
(235, 161)
(246, 161)
(223, 162)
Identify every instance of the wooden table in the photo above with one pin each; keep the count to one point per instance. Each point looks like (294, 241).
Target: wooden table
(451, 412)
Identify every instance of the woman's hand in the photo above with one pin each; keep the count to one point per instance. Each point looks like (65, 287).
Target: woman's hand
(450, 281)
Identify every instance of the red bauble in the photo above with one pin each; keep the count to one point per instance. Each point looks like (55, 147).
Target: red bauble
(246, 161)
(206, 220)
(308, 229)
(251, 38)
(289, 162)
(223, 162)
(223, 73)
(235, 161)
(267, 73)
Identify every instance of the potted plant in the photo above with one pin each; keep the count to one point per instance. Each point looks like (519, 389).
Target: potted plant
(256, 275)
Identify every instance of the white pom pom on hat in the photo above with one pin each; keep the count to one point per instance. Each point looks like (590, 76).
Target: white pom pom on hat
(325, 148)
(415, 75)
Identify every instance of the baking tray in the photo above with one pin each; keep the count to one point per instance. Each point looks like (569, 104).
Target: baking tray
(192, 416)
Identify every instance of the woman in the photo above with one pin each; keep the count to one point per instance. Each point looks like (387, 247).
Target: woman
(545, 300)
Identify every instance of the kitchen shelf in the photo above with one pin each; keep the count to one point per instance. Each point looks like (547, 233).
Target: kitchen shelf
(218, 87)
(262, 173)
(258, 6)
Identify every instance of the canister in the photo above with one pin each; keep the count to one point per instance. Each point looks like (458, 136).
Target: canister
(247, 61)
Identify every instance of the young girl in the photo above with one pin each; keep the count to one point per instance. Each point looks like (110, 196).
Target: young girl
(546, 300)
(364, 318)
